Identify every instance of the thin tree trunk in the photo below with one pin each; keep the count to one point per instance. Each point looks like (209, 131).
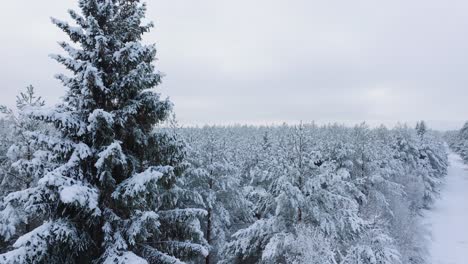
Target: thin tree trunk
(208, 224)
(208, 235)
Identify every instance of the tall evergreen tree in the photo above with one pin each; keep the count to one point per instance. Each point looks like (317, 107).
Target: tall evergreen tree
(461, 142)
(115, 196)
(25, 162)
(215, 177)
(421, 128)
(5, 142)
(23, 165)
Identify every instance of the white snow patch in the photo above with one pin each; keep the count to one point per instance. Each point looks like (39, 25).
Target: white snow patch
(81, 195)
(448, 220)
(125, 258)
(139, 182)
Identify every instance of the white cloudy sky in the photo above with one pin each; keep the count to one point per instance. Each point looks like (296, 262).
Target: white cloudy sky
(269, 61)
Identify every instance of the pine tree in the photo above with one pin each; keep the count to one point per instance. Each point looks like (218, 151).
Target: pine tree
(5, 142)
(310, 246)
(421, 128)
(215, 177)
(25, 162)
(5, 135)
(115, 197)
(374, 246)
(461, 146)
(23, 167)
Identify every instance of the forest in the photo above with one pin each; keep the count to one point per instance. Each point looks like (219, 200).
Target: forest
(240, 194)
(109, 176)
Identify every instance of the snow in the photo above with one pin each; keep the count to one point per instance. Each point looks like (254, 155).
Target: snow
(9, 219)
(81, 195)
(114, 150)
(138, 183)
(448, 220)
(96, 115)
(32, 247)
(138, 224)
(66, 118)
(127, 257)
(92, 73)
(133, 50)
(63, 24)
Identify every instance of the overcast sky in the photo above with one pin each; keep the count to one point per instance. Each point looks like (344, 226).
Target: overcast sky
(267, 61)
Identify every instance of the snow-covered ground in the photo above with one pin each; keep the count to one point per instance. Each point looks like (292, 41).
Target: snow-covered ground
(448, 220)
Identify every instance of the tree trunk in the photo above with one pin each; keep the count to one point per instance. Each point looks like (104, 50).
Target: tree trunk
(208, 224)
(208, 234)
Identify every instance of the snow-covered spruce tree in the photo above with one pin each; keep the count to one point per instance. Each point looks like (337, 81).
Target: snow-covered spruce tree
(25, 162)
(115, 196)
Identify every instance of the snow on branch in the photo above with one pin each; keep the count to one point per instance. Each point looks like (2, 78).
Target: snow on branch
(156, 256)
(10, 218)
(60, 117)
(35, 245)
(141, 226)
(178, 214)
(177, 247)
(125, 258)
(97, 116)
(75, 33)
(133, 51)
(111, 155)
(141, 183)
(81, 196)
